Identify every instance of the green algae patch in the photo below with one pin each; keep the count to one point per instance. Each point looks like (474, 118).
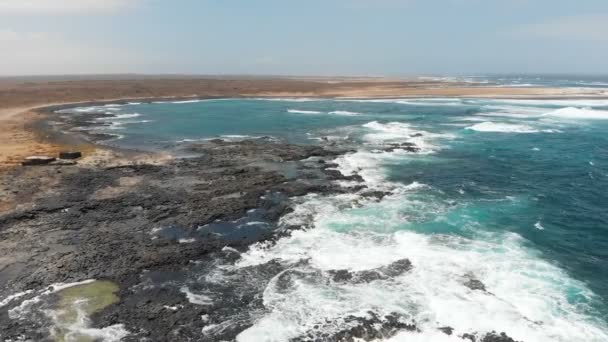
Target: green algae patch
(76, 304)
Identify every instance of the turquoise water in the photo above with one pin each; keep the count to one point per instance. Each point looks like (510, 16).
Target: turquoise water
(512, 192)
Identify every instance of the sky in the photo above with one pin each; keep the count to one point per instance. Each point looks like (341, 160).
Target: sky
(303, 37)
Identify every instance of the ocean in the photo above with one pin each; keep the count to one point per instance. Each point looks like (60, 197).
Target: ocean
(512, 194)
(529, 80)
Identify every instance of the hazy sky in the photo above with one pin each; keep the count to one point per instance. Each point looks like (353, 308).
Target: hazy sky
(306, 37)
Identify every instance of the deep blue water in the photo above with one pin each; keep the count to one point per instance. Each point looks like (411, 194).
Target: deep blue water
(513, 191)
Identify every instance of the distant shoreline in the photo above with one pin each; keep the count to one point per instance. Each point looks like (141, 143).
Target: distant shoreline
(24, 104)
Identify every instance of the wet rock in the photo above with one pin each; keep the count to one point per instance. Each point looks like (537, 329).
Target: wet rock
(395, 269)
(469, 337)
(474, 283)
(91, 213)
(494, 337)
(376, 194)
(447, 330)
(369, 328)
(406, 146)
(491, 337)
(337, 175)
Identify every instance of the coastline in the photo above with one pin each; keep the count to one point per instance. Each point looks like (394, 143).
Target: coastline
(22, 111)
(66, 222)
(29, 132)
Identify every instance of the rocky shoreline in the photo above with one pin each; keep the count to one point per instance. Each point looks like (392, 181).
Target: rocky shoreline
(160, 232)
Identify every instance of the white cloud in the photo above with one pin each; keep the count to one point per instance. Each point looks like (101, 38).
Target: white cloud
(578, 28)
(62, 6)
(36, 53)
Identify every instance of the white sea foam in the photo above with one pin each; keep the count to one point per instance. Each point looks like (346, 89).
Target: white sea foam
(583, 83)
(86, 109)
(186, 101)
(565, 103)
(529, 297)
(344, 112)
(227, 137)
(288, 99)
(113, 333)
(538, 225)
(126, 116)
(240, 137)
(198, 299)
(525, 289)
(237, 136)
(411, 101)
(579, 113)
(20, 311)
(474, 119)
(189, 140)
(299, 111)
(392, 132)
(12, 297)
(119, 117)
(502, 128)
(80, 329)
(517, 85)
(513, 111)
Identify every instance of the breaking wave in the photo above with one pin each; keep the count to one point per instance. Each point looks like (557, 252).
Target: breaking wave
(579, 113)
(299, 111)
(502, 128)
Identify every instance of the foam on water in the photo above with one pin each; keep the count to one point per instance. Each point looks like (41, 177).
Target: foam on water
(80, 329)
(392, 131)
(579, 113)
(12, 297)
(126, 116)
(18, 312)
(527, 298)
(286, 99)
(345, 112)
(199, 299)
(502, 128)
(513, 111)
(565, 103)
(87, 109)
(412, 101)
(119, 117)
(186, 101)
(299, 111)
